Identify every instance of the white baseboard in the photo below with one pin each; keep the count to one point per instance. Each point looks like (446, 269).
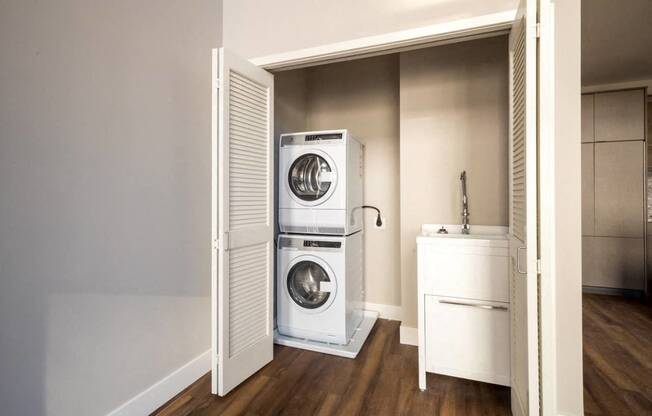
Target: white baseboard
(163, 390)
(392, 312)
(409, 335)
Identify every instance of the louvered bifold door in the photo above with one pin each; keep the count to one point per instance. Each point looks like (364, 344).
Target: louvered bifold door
(243, 220)
(523, 212)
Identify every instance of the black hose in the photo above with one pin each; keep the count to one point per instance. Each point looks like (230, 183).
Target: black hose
(379, 221)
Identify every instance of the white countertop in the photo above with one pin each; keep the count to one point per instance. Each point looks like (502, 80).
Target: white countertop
(490, 235)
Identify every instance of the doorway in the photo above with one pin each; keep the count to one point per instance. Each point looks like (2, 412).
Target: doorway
(616, 178)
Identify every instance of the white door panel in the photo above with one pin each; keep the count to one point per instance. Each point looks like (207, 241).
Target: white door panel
(242, 264)
(523, 211)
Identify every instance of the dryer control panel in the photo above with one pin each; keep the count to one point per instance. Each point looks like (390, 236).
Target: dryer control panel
(326, 244)
(294, 139)
(308, 244)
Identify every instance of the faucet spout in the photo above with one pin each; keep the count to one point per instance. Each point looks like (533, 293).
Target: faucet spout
(466, 228)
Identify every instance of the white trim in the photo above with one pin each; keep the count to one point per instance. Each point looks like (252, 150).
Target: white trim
(391, 312)
(618, 86)
(547, 213)
(163, 390)
(479, 26)
(215, 82)
(409, 335)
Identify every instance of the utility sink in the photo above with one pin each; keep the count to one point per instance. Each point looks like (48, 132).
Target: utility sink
(463, 302)
(479, 235)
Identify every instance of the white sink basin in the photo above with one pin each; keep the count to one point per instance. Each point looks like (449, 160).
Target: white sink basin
(486, 235)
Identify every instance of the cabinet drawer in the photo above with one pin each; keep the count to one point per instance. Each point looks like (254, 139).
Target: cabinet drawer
(476, 273)
(467, 339)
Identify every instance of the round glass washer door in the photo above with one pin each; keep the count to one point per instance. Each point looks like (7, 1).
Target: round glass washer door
(304, 281)
(311, 178)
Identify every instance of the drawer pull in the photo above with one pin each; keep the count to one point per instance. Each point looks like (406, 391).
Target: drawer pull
(475, 305)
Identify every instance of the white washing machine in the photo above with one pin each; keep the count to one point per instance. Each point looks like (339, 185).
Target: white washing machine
(319, 287)
(320, 183)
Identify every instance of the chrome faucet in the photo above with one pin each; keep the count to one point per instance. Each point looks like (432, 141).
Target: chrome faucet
(465, 205)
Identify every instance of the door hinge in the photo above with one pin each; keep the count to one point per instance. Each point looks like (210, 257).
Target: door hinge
(539, 266)
(218, 83)
(538, 30)
(223, 242)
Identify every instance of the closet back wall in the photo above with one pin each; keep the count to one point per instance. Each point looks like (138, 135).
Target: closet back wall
(363, 96)
(454, 117)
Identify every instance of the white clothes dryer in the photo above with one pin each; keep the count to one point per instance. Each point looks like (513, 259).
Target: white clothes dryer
(320, 183)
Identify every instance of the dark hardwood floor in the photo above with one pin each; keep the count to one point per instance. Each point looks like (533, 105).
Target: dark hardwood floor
(382, 380)
(617, 356)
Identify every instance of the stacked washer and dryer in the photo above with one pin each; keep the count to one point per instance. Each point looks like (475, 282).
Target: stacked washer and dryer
(320, 250)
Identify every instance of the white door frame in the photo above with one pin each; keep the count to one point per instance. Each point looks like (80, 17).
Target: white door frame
(560, 212)
(547, 324)
(460, 30)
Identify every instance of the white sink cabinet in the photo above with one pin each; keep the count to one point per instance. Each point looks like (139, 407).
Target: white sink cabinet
(463, 305)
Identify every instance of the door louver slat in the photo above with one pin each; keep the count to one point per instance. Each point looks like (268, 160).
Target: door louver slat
(243, 231)
(248, 306)
(249, 206)
(518, 140)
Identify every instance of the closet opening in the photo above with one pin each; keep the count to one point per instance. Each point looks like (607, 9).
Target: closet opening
(442, 141)
(423, 116)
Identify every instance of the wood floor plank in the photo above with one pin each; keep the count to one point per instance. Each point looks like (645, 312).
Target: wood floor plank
(383, 379)
(617, 335)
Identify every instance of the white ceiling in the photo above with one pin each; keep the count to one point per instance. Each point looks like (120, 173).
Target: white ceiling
(616, 41)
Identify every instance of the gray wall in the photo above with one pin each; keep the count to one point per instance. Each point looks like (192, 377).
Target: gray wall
(105, 199)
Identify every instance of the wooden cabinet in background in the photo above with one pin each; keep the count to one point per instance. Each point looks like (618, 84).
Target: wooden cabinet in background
(587, 118)
(613, 262)
(588, 195)
(620, 115)
(614, 205)
(619, 189)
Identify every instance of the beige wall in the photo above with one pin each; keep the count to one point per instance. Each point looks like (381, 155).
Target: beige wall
(454, 117)
(105, 219)
(363, 96)
(616, 41)
(254, 28)
(290, 101)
